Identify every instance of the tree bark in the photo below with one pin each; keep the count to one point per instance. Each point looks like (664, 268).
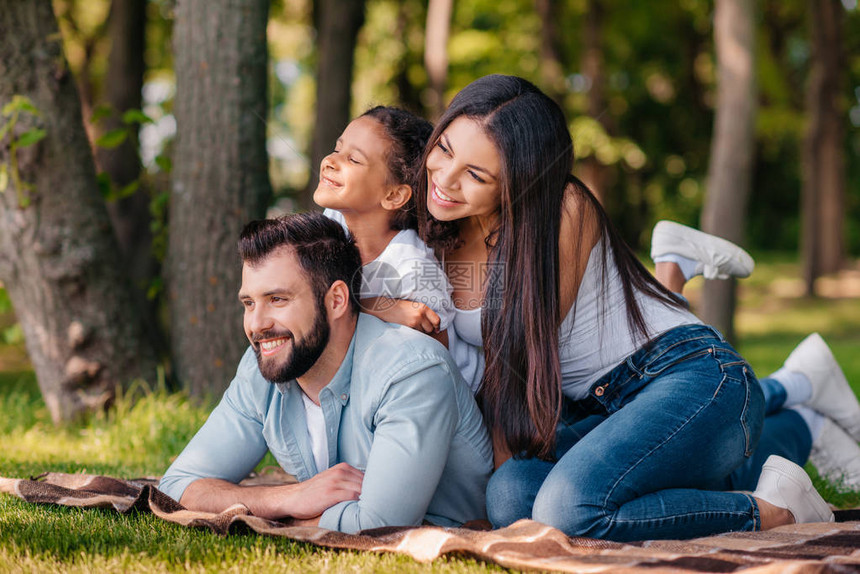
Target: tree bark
(822, 235)
(732, 146)
(338, 24)
(594, 173)
(409, 95)
(58, 258)
(436, 51)
(123, 91)
(130, 216)
(551, 59)
(220, 181)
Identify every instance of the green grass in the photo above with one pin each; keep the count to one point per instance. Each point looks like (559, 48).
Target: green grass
(140, 438)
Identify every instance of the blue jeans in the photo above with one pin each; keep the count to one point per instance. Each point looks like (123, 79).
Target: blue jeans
(663, 431)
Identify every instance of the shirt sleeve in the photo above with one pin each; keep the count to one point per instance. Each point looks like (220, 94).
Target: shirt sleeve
(415, 424)
(229, 444)
(422, 279)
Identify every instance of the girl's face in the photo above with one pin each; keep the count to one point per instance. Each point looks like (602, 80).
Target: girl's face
(354, 177)
(463, 171)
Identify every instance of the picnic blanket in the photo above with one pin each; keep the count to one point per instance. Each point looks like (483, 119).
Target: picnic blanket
(822, 547)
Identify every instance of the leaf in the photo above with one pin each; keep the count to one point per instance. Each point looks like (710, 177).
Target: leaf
(4, 130)
(127, 191)
(155, 288)
(136, 117)
(13, 335)
(101, 111)
(105, 186)
(20, 103)
(164, 164)
(112, 139)
(4, 178)
(30, 137)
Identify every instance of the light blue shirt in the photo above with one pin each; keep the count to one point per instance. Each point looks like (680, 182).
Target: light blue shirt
(397, 408)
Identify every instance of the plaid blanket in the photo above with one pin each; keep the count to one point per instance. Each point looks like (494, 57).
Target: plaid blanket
(822, 547)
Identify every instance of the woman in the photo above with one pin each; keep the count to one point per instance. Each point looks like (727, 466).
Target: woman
(664, 409)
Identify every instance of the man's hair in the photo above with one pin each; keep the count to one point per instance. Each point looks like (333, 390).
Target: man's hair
(323, 250)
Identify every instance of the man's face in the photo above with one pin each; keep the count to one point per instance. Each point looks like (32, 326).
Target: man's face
(285, 323)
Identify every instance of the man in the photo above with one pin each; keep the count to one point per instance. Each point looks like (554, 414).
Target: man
(373, 419)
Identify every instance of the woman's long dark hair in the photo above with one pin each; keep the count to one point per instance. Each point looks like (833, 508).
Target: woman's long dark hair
(520, 392)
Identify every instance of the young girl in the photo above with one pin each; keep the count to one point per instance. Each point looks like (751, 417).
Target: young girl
(367, 184)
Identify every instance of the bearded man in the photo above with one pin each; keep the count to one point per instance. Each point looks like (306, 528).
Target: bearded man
(373, 419)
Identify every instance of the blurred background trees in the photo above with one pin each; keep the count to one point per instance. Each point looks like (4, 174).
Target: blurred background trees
(200, 115)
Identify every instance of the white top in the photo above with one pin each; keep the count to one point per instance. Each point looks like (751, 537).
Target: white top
(600, 337)
(316, 432)
(408, 269)
(468, 325)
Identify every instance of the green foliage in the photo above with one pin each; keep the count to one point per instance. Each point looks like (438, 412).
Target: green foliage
(9, 171)
(112, 139)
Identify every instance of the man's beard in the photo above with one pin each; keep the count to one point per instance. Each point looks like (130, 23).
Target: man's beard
(305, 353)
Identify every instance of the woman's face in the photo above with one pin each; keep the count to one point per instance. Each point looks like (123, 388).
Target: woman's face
(463, 171)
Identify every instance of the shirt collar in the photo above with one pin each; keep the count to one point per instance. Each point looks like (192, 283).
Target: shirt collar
(340, 384)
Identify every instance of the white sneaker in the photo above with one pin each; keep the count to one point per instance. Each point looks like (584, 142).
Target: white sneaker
(718, 258)
(786, 485)
(836, 456)
(831, 394)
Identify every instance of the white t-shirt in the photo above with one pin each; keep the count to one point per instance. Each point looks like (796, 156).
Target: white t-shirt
(600, 336)
(408, 269)
(316, 432)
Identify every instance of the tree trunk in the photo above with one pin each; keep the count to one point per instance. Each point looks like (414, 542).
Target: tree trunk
(551, 61)
(220, 181)
(732, 147)
(58, 258)
(409, 95)
(594, 173)
(338, 24)
(436, 51)
(822, 239)
(130, 216)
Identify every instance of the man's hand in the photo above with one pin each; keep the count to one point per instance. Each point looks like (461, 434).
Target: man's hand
(314, 496)
(302, 501)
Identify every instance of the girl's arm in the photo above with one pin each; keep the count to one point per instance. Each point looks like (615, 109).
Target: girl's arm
(412, 314)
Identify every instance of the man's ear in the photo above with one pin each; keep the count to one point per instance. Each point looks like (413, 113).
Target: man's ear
(337, 300)
(396, 197)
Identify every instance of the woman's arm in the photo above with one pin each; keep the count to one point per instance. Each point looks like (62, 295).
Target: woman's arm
(578, 234)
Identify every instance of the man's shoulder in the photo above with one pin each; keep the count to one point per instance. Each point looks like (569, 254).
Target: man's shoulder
(386, 348)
